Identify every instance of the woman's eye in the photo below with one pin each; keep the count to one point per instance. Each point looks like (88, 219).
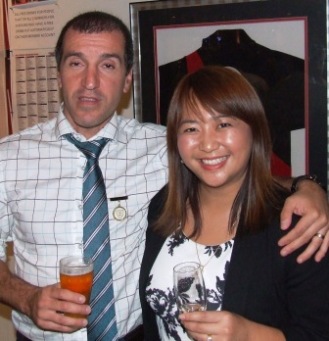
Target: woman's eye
(225, 125)
(190, 130)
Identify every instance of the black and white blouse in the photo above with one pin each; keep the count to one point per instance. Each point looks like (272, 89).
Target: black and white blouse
(159, 292)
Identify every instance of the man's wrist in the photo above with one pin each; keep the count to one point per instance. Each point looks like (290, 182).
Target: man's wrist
(296, 181)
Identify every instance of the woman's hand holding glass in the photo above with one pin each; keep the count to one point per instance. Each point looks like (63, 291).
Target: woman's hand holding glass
(226, 326)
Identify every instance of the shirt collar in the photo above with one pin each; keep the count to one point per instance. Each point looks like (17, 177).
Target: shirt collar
(63, 126)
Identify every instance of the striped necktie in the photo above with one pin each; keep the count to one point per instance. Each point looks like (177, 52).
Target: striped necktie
(96, 242)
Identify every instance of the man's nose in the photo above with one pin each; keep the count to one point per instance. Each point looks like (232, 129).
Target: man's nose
(91, 78)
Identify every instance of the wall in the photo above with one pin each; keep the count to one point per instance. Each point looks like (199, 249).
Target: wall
(6, 330)
(3, 111)
(3, 115)
(71, 8)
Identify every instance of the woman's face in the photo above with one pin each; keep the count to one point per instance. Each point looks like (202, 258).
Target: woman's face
(216, 148)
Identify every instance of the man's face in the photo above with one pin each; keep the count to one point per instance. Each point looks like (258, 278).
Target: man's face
(92, 78)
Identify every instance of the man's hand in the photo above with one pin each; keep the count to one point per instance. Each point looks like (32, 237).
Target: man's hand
(311, 203)
(46, 306)
(49, 308)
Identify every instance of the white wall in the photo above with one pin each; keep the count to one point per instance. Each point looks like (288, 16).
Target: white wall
(70, 8)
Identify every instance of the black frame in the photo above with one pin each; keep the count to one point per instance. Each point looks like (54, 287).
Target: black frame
(145, 16)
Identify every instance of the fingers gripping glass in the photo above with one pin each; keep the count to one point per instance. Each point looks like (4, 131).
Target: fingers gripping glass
(76, 274)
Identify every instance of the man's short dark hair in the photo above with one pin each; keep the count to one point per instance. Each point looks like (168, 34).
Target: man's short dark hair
(96, 22)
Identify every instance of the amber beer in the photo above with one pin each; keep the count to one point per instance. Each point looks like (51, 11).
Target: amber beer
(76, 274)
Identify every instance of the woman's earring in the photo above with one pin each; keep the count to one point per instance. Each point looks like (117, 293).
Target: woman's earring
(181, 161)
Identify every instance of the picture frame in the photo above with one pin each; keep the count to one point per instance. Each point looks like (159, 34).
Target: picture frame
(149, 19)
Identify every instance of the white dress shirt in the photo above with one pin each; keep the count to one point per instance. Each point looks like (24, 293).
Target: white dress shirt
(41, 177)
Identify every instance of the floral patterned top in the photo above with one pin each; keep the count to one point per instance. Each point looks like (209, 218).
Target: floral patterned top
(159, 292)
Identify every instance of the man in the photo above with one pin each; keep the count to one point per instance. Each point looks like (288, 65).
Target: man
(41, 181)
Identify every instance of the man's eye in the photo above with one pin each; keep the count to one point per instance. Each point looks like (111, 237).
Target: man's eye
(108, 66)
(74, 63)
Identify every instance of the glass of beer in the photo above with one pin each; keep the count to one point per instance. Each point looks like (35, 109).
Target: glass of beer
(76, 274)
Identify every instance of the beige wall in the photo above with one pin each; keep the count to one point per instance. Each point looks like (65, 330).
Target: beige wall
(6, 329)
(3, 105)
(119, 8)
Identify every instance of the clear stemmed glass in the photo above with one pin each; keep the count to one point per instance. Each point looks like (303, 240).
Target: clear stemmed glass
(189, 287)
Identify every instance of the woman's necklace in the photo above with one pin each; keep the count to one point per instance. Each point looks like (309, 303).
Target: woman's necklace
(214, 250)
(218, 247)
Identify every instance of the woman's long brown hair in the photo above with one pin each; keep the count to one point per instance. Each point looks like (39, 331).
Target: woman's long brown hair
(224, 91)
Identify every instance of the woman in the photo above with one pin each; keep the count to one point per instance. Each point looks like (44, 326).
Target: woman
(221, 209)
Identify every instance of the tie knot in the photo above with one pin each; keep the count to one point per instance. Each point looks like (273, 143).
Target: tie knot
(91, 149)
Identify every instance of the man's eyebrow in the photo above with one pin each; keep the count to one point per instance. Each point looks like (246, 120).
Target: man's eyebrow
(72, 54)
(112, 55)
(102, 56)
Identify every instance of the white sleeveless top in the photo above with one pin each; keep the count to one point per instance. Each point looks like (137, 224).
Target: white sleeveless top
(159, 291)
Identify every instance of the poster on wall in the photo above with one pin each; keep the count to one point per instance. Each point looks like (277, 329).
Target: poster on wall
(35, 91)
(33, 24)
(33, 32)
(30, 2)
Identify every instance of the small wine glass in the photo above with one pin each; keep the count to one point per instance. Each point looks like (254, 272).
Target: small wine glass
(189, 287)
